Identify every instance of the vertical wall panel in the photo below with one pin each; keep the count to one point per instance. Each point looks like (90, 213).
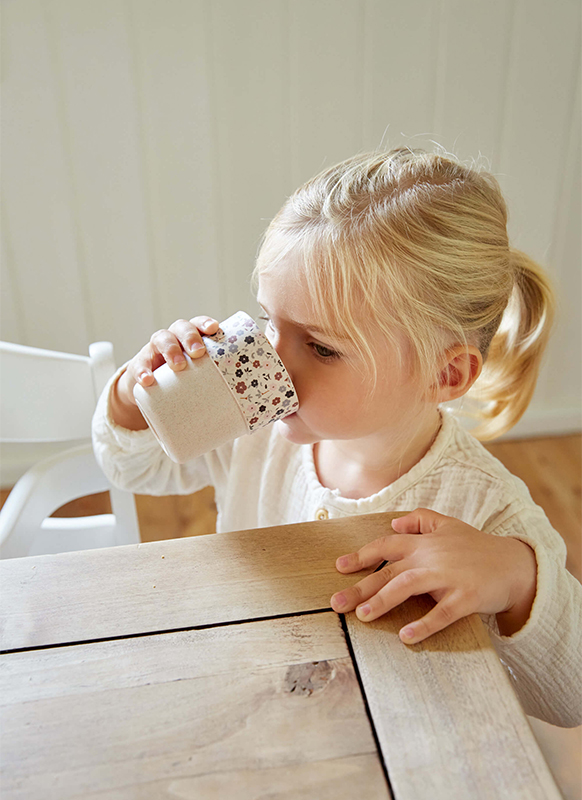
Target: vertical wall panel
(326, 52)
(401, 52)
(539, 94)
(545, 52)
(93, 56)
(562, 375)
(11, 316)
(248, 69)
(38, 217)
(171, 56)
(476, 51)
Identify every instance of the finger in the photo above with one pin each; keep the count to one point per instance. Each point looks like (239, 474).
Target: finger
(387, 548)
(142, 366)
(207, 325)
(404, 585)
(447, 611)
(189, 337)
(349, 598)
(168, 346)
(422, 520)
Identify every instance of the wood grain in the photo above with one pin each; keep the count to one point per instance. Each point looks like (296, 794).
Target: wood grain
(551, 468)
(424, 700)
(160, 586)
(270, 708)
(446, 717)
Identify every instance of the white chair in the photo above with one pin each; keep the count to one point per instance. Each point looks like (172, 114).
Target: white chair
(49, 396)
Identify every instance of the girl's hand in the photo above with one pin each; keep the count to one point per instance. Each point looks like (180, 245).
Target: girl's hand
(463, 569)
(164, 346)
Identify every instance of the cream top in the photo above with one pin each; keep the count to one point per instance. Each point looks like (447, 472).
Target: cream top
(262, 480)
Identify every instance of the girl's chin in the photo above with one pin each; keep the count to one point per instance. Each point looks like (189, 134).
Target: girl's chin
(294, 430)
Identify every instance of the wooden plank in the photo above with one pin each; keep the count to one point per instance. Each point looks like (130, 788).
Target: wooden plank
(204, 580)
(447, 719)
(270, 708)
(551, 468)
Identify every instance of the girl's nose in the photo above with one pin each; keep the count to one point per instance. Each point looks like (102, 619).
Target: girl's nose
(283, 350)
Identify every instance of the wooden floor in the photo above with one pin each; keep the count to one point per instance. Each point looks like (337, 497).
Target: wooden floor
(552, 470)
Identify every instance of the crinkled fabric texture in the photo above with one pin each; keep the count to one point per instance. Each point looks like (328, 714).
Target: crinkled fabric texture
(262, 480)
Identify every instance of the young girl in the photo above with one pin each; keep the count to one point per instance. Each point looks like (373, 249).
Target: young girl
(390, 289)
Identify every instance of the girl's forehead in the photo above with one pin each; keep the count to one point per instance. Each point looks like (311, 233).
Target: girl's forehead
(285, 288)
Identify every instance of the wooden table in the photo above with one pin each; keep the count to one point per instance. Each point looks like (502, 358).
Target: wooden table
(213, 667)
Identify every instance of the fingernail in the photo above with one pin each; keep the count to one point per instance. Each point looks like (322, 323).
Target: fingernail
(178, 359)
(339, 600)
(196, 349)
(342, 561)
(143, 376)
(364, 610)
(207, 323)
(407, 633)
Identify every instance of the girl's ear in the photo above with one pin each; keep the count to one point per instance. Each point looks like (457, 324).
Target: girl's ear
(460, 369)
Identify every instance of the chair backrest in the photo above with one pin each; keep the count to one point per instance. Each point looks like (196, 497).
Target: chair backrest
(47, 396)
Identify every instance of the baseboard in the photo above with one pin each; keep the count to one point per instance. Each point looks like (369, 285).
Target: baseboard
(537, 423)
(546, 423)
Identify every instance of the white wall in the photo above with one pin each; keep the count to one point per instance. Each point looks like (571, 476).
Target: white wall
(145, 145)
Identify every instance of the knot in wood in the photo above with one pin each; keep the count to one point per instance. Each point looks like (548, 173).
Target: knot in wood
(302, 679)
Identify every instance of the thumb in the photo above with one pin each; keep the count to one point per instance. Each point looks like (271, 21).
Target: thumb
(422, 520)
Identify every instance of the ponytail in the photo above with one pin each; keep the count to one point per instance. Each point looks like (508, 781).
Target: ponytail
(511, 368)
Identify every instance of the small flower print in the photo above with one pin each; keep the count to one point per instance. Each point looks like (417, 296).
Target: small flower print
(256, 364)
(249, 339)
(262, 408)
(244, 359)
(221, 351)
(253, 420)
(255, 383)
(241, 387)
(232, 348)
(275, 401)
(232, 338)
(290, 393)
(239, 374)
(260, 351)
(278, 376)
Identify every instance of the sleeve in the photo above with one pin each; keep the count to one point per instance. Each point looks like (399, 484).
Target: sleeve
(134, 460)
(544, 658)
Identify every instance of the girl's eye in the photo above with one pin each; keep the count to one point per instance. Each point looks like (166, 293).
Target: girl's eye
(321, 352)
(324, 353)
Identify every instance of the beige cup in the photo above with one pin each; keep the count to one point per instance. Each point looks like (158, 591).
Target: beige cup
(242, 387)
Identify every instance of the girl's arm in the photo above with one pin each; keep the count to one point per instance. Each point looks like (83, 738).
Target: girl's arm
(514, 576)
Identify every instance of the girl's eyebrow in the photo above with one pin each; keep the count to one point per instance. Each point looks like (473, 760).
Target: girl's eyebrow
(308, 327)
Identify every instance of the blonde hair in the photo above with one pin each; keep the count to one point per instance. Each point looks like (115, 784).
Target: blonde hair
(416, 243)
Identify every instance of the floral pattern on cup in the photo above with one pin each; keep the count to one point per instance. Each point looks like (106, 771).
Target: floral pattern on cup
(252, 370)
